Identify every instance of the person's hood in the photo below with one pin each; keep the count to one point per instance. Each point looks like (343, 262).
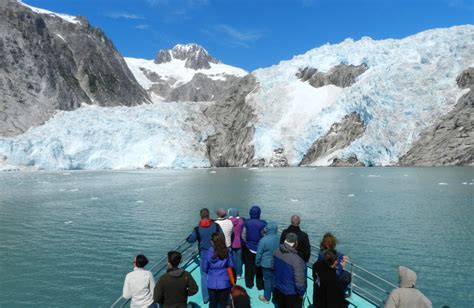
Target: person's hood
(271, 228)
(233, 212)
(255, 212)
(407, 277)
(287, 248)
(175, 272)
(205, 223)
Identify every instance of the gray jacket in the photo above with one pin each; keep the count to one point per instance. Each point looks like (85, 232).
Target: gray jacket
(407, 295)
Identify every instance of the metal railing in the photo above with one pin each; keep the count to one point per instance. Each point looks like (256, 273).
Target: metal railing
(188, 252)
(364, 283)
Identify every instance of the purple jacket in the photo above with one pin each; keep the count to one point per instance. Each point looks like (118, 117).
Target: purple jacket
(216, 269)
(237, 235)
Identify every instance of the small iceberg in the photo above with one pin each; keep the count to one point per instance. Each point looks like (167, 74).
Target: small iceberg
(443, 184)
(213, 171)
(350, 195)
(68, 222)
(74, 189)
(139, 201)
(374, 176)
(94, 198)
(294, 200)
(62, 189)
(253, 168)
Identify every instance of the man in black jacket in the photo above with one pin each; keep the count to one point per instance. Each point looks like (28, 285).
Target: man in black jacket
(174, 287)
(303, 248)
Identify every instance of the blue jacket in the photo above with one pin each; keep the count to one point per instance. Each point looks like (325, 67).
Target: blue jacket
(203, 233)
(216, 269)
(253, 228)
(289, 271)
(267, 246)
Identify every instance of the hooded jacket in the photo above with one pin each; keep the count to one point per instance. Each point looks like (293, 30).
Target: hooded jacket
(289, 271)
(304, 248)
(253, 228)
(267, 246)
(173, 288)
(330, 292)
(407, 295)
(203, 233)
(238, 225)
(216, 270)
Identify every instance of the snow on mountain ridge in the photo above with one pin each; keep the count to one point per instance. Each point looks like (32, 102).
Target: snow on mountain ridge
(68, 18)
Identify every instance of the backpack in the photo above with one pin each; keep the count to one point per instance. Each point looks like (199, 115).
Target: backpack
(198, 235)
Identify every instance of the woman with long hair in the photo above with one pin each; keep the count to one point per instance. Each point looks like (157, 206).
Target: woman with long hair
(218, 281)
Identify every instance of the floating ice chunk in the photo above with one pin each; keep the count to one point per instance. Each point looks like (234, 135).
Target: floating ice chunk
(350, 195)
(213, 171)
(405, 175)
(94, 198)
(245, 180)
(62, 189)
(464, 183)
(74, 189)
(68, 222)
(294, 200)
(443, 184)
(66, 173)
(253, 168)
(374, 176)
(139, 201)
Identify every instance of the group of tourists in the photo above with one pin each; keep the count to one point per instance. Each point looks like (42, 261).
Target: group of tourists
(275, 264)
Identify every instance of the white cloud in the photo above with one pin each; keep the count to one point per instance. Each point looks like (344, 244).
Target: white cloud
(125, 15)
(142, 27)
(237, 37)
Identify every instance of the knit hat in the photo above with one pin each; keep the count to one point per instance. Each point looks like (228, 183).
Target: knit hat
(233, 212)
(291, 239)
(220, 212)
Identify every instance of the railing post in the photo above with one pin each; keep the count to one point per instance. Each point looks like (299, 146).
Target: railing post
(352, 279)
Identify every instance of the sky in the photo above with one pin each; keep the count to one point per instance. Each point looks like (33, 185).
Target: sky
(257, 33)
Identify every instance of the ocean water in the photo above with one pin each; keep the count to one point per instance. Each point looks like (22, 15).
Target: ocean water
(68, 238)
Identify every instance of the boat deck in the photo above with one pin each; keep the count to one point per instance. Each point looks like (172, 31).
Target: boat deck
(193, 267)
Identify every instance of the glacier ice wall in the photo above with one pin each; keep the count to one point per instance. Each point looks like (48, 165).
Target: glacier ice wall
(91, 137)
(409, 84)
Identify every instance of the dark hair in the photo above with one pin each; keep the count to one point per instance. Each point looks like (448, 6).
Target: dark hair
(330, 256)
(240, 298)
(141, 261)
(329, 241)
(174, 258)
(204, 213)
(220, 249)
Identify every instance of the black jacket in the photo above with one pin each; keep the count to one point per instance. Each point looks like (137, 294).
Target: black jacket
(174, 287)
(330, 293)
(303, 248)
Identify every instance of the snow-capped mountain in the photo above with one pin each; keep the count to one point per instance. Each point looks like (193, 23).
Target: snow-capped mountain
(358, 103)
(184, 73)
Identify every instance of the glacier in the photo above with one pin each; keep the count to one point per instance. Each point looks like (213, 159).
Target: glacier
(93, 137)
(409, 84)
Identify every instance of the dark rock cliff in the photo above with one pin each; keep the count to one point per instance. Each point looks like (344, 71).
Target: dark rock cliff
(451, 140)
(341, 75)
(48, 64)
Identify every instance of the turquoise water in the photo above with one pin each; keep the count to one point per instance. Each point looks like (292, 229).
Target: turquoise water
(69, 238)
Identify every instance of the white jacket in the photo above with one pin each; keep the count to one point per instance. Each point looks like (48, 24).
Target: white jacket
(227, 228)
(139, 286)
(407, 295)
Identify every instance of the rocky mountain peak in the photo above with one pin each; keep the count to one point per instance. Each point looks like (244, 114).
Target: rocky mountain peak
(195, 55)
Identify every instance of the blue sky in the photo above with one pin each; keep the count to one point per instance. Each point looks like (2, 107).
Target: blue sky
(258, 33)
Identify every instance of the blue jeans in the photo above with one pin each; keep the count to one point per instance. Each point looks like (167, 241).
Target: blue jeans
(203, 286)
(237, 255)
(267, 283)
